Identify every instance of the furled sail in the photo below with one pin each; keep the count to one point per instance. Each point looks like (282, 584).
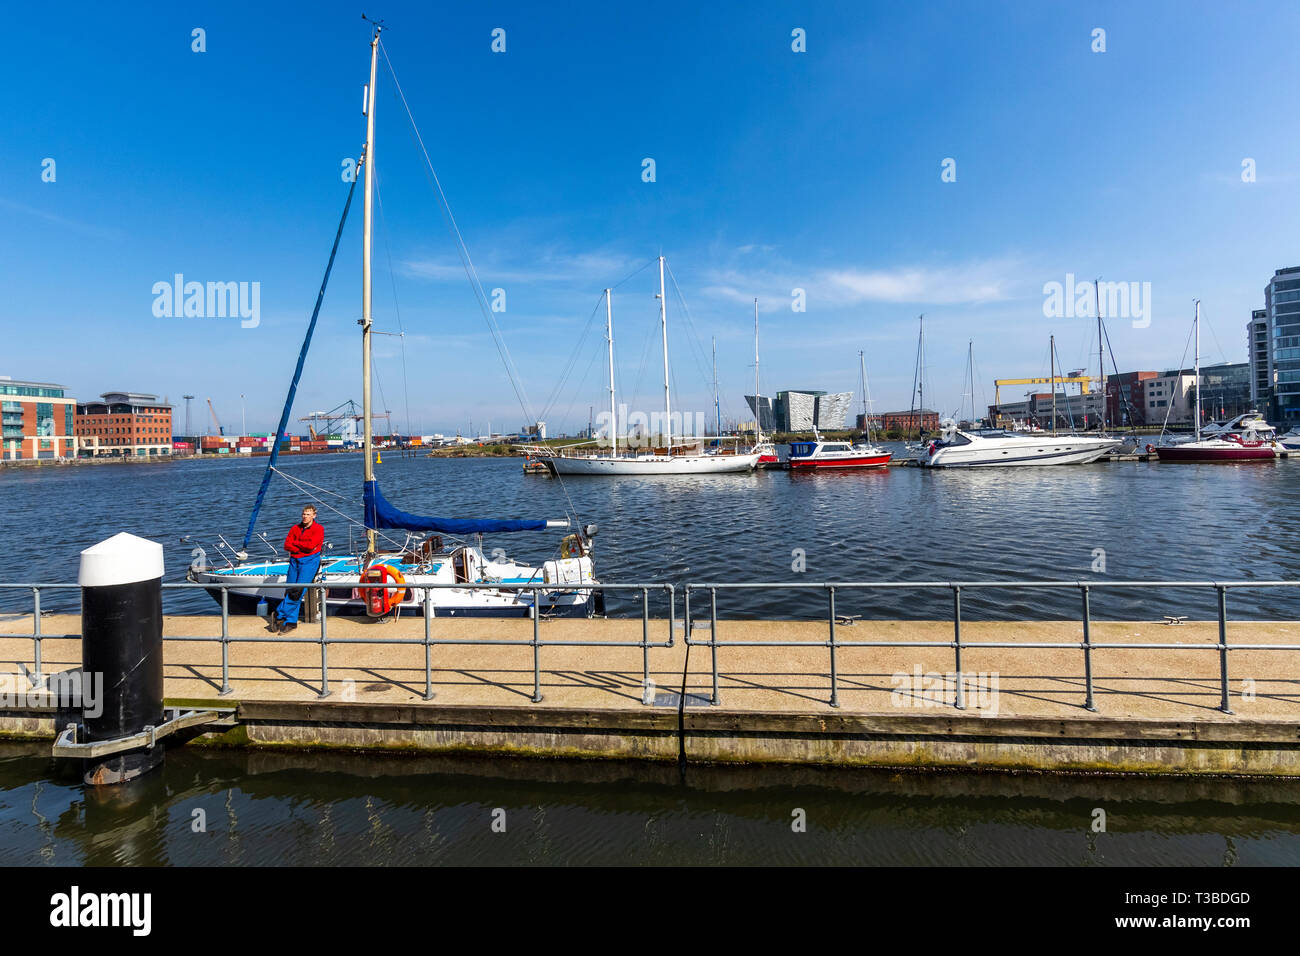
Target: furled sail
(381, 515)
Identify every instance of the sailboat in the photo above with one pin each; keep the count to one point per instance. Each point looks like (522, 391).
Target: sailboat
(1250, 445)
(687, 456)
(765, 450)
(405, 550)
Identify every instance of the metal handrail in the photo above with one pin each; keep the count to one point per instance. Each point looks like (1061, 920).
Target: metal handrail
(1087, 645)
(834, 643)
(428, 641)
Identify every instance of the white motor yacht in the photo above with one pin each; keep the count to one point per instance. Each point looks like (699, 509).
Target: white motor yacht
(961, 449)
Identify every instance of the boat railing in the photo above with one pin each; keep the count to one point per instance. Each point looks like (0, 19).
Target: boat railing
(834, 642)
(429, 641)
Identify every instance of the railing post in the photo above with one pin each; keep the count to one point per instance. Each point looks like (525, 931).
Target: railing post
(428, 646)
(1223, 649)
(37, 678)
(324, 652)
(537, 666)
(835, 695)
(1089, 703)
(672, 613)
(713, 642)
(959, 700)
(226, 689)
(647, 698)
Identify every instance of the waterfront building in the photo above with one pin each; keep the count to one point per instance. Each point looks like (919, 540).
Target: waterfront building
(763, 412)
(125, 424)
(909, 421)
(1282, 313)
(37, 420)
(1072, 411)
(1169, 398)
(1259, 355)
(802, 410)
(1125, 406)
(1226, 390)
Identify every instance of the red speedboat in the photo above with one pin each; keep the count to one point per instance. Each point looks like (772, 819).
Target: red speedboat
(808, 455)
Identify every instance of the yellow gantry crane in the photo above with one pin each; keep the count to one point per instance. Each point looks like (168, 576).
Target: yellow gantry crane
(1083, 381)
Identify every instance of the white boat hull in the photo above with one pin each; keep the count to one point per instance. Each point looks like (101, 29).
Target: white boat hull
(655, 465)
(1017, 451)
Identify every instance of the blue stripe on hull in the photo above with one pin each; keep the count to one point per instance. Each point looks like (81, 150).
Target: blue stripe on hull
(247, 604)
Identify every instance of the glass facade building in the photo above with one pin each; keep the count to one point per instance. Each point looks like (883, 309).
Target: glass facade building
(1282, 305)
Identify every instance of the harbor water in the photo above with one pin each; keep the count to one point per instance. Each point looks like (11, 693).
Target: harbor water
(1117, 521)
(1129, 520)
(364, 810)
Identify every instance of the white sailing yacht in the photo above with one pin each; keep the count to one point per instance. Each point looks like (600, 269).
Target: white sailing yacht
(406, 551)
(687, 455)
(766, 451)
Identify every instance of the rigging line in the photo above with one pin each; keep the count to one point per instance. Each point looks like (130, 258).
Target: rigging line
(701, 361)
(324, 491)
(511, 371)
(1127, 404)
(392, 277)
(572, 361)
(297, 372)
(581, 384)
(633, 274)
(295, 483)
(1170, 406)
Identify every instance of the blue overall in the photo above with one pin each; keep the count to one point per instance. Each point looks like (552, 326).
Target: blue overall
(300, 570)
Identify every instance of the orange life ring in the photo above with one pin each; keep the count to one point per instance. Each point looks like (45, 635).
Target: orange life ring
(1150, 448)
(379, 601)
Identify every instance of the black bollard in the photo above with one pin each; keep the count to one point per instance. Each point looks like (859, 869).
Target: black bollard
(121, 650)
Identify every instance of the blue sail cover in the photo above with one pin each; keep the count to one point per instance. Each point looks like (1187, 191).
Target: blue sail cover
(381, 515)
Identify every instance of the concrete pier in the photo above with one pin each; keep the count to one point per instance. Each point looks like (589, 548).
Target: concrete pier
(1156, 708)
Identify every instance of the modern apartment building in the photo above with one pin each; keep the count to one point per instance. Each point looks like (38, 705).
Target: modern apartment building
(1258, 355)
(1282, 312)
(36, 420)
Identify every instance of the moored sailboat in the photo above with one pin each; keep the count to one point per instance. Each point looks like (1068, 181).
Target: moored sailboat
(688, 455)
(1249, 444)
(405, 551)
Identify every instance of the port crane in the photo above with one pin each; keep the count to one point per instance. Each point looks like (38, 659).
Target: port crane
(215, 421)
(1082, 380)
(325, 423)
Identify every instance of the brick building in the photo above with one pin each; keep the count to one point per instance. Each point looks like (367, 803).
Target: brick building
(36, 420)
(909, 421)
(124, 424)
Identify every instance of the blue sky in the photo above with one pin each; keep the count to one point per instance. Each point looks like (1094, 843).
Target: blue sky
(775, 170)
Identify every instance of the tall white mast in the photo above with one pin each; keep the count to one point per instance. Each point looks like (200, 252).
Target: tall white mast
(717, 406)
(758, 409)
(368, 161)
(1196, 380)
(609, 335)
(663, 321)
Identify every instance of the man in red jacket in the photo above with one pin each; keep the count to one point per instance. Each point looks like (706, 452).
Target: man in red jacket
(303, 542)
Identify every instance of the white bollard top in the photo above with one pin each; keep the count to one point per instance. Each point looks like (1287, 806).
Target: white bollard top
(121, 559)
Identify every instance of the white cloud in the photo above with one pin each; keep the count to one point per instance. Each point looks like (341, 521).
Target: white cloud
(966, 284)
